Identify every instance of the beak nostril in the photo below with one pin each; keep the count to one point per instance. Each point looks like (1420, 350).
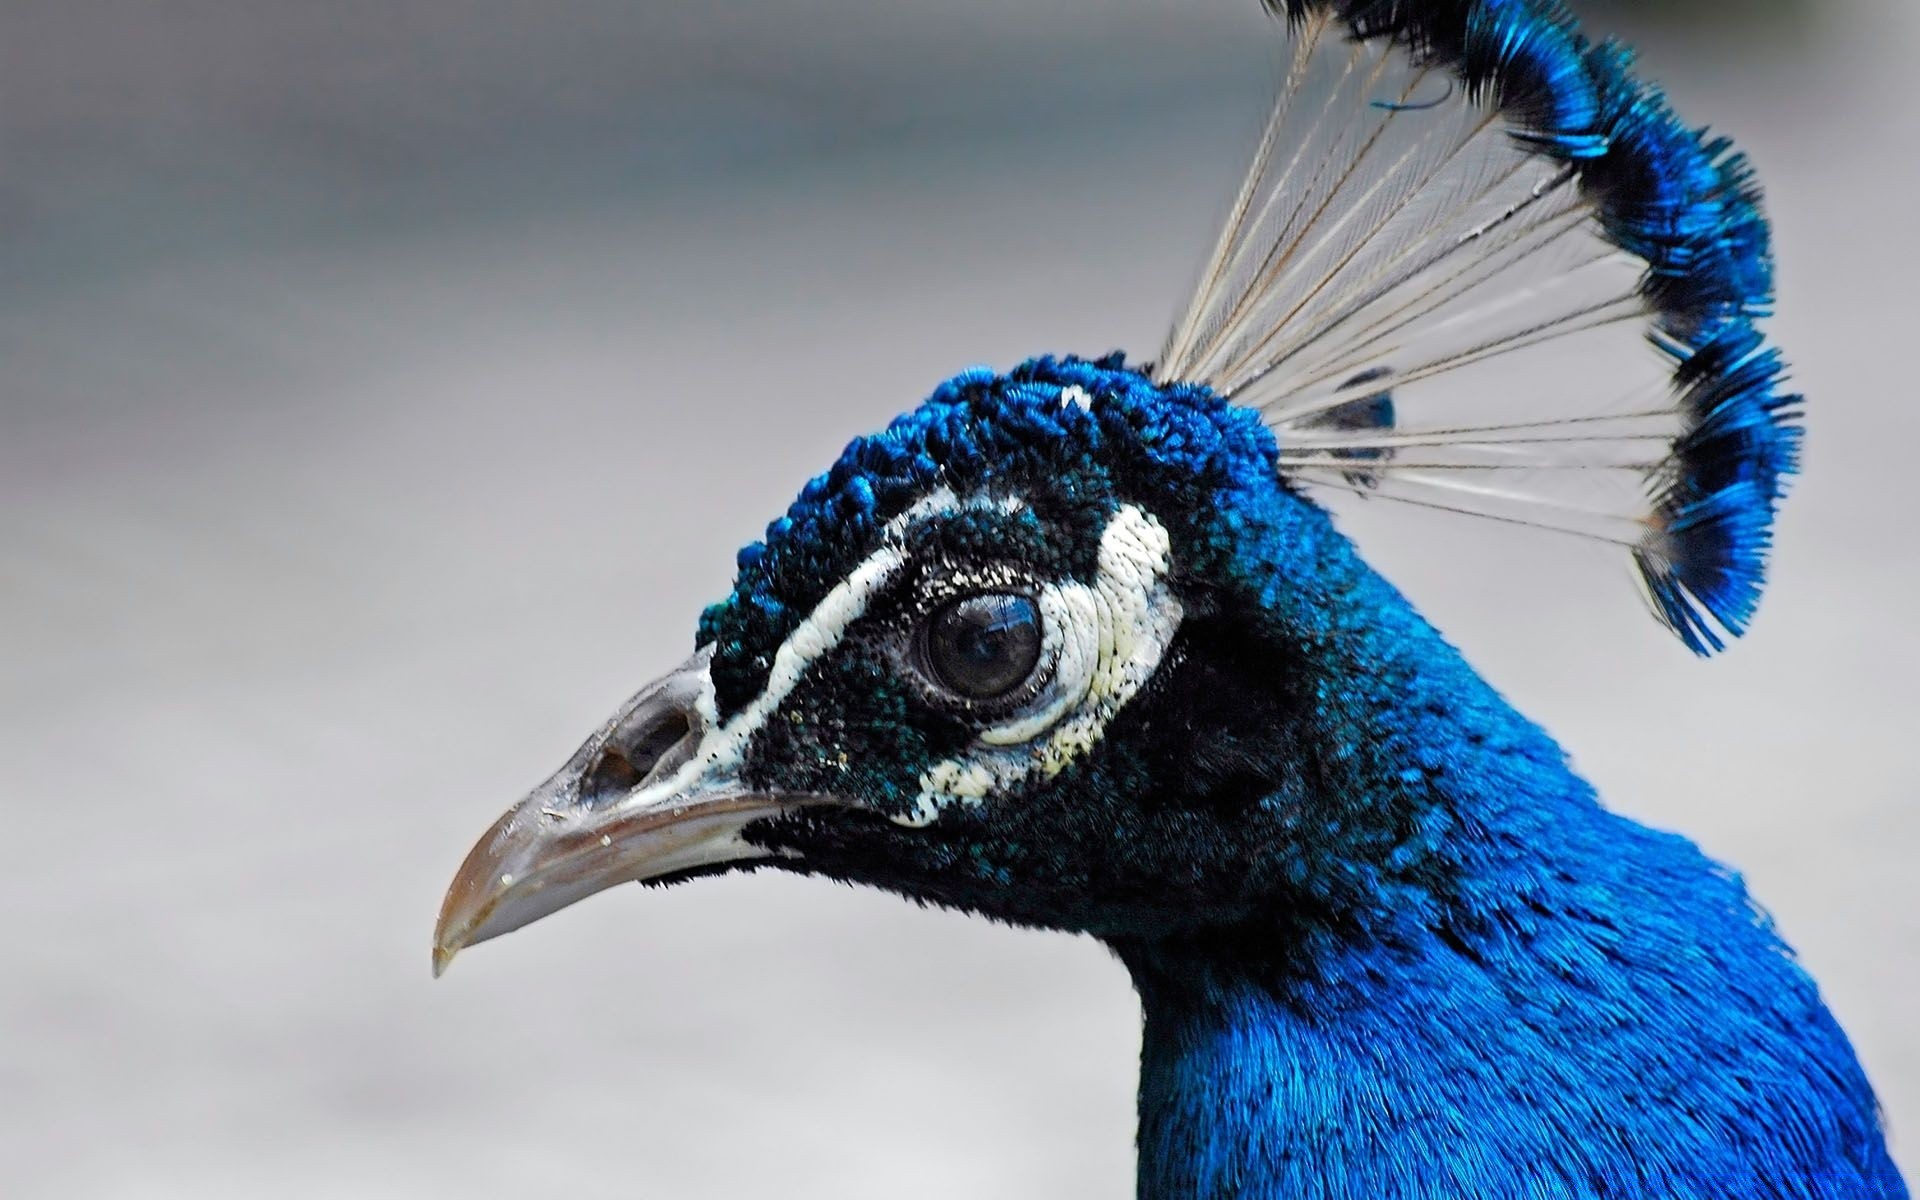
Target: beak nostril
(613, 775)
(632, 754)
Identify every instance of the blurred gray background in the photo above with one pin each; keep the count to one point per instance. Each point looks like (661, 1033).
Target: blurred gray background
(386, 385)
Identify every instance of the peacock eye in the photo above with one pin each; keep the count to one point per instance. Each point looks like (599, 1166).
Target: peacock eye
(981, 647)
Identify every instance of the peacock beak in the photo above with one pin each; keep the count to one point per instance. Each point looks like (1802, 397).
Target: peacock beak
(654, 792)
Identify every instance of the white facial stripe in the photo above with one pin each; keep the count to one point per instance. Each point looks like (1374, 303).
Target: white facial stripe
(822, 631)
(1105, 641)
(724, 747)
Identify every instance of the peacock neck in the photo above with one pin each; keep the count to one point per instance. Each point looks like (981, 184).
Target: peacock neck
(1474, 980)
(1613, 1047)
(1527, 996)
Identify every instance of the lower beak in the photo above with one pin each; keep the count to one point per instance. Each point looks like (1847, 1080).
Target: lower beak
(654, 792)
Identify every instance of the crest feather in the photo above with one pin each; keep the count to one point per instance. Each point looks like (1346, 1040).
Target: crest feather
(1477, 266)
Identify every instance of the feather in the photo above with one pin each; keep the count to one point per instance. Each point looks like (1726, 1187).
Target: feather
(1477, 266)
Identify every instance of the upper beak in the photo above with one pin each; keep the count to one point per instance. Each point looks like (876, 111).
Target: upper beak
(656, 790)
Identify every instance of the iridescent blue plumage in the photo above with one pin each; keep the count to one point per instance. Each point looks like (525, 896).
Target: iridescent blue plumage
(1388, 944)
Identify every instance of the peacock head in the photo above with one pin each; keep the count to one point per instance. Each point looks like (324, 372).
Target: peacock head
(1001, 656)
(1071, 646)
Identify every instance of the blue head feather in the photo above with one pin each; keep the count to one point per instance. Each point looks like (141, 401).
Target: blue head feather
(977, 430)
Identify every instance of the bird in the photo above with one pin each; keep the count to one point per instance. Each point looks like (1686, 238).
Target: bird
(1080, 646)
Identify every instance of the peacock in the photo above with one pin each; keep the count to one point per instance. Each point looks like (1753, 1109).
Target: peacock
(1078, 646)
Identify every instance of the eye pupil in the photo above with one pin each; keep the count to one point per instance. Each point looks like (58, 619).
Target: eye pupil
(981, 647)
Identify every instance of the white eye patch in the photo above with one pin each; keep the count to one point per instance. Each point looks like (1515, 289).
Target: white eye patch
(1104, 641)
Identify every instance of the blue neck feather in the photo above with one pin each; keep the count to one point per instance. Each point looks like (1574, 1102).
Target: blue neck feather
(1585, 1008)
